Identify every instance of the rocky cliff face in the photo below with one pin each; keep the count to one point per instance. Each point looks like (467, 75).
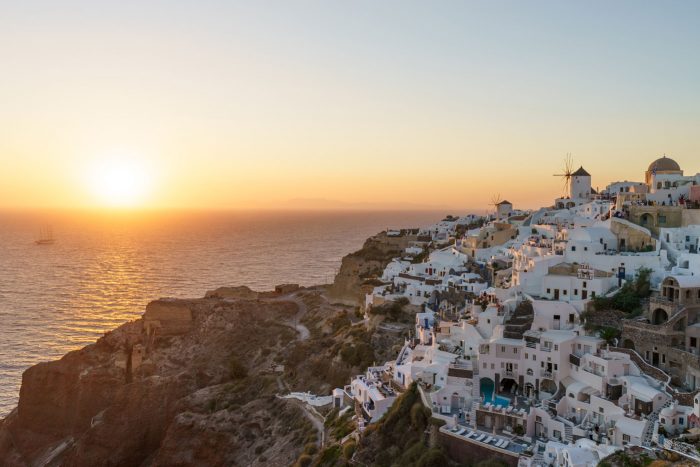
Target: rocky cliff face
(367, 262)
(199, 392)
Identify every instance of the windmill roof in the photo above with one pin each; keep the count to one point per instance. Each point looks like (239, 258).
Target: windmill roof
(581, 172)
(504, 202)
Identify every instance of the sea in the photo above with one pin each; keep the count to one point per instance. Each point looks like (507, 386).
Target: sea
(103, 268)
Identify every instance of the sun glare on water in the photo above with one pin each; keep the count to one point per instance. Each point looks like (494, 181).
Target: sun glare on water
(120, 182)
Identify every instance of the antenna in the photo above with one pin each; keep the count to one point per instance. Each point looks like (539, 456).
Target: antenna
(568, 165)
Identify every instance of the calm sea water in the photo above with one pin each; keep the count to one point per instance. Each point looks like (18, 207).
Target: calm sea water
(103, 270)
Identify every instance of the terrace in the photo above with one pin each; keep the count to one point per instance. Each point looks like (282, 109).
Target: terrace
(506, 443)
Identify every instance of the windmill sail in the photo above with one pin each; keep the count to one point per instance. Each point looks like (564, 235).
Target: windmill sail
(566, 175)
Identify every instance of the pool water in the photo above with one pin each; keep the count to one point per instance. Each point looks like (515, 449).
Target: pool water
(486, 390)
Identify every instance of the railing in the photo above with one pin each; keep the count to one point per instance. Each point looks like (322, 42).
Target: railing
(547, 374)
(510, 373)
(593, 371)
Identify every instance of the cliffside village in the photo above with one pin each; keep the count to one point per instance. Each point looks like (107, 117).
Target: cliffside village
(500, 351)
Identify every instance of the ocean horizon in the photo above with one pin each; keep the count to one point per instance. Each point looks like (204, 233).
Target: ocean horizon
(104, 268)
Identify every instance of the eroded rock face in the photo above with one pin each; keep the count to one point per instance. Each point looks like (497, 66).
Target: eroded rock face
(135, 399)
(371, 260)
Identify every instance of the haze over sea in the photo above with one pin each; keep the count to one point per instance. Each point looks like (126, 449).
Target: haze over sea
(103, 269)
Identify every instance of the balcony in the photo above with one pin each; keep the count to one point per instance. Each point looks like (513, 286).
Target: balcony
(547, 374)
(510, 374)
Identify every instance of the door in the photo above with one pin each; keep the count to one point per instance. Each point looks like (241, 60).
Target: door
(584, 294)
(655, 358)
(556, 294)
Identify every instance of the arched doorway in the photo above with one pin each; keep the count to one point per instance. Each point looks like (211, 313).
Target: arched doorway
(628, 344)
(659, 316)
(455, 402)
(508, 386)
(646, 219)
(529, 391)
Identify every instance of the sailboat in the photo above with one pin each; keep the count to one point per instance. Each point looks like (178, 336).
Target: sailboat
(45, 236)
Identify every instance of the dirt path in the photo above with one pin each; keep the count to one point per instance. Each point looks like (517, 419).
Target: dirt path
(303, 331)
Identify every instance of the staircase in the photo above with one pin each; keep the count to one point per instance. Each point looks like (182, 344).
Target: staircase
(652, 425)
(568, 434)
(568, 429)
(519, 322)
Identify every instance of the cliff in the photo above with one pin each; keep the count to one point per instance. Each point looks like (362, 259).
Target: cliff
(196, 382)
(350, 283)
(191, 383)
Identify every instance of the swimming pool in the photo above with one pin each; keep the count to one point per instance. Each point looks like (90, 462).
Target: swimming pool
(486, 389)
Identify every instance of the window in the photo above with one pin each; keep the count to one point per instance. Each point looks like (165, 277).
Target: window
(693, 342)
(515, 350)
(493, 367)
(529, 372)
(566, 292)
(575, 291)
(585, 248)
(556, 347)
(484, 365)
(593, 294)
(549, 290)
(503, 348)
(601, 410)
(585, 284)
(625, 438)
(573, 248)
(534, 357)
(662, 219)
(680, 420)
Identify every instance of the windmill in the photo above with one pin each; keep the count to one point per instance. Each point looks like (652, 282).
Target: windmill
(495, 201)
(568, 165)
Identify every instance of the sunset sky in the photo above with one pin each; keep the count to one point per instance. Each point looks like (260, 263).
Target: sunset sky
(391, 104)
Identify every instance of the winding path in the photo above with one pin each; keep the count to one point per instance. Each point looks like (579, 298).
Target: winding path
(296, 322)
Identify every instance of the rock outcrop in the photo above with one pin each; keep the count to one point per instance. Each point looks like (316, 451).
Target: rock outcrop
(367, 262)
(164, 398)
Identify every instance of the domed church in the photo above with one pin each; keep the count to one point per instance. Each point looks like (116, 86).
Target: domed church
(662, 165)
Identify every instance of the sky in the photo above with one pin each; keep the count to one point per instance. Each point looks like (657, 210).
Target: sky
(370, 104)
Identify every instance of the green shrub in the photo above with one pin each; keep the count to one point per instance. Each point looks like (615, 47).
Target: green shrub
(329, 456)
(630, 295)
(432, 458)
(236, 369)
(304, 461)
(310, 448)
(349, 449)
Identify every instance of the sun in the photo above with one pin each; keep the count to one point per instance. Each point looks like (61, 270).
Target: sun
(119, 182)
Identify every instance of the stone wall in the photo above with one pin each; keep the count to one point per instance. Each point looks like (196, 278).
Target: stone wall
(167, 318)
(631, 237)
(464, 451)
